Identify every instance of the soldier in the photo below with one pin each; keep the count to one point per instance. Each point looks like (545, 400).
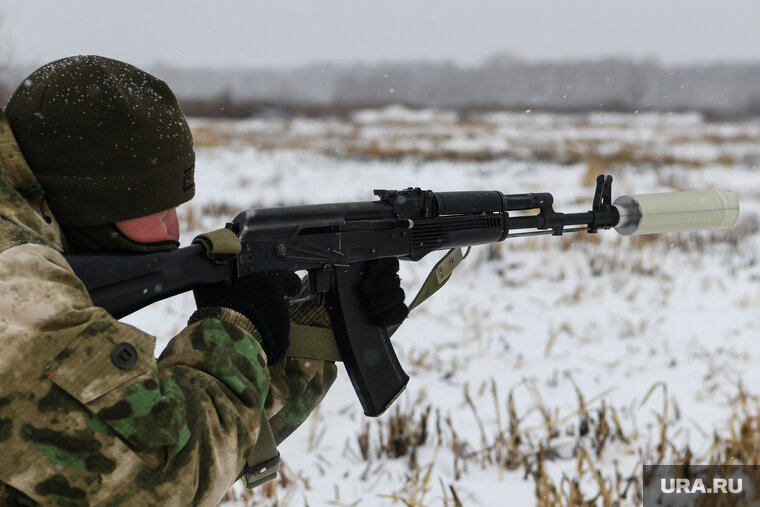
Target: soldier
(88, 416)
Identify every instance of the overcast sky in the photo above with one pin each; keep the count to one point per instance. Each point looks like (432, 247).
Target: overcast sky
(286, 33)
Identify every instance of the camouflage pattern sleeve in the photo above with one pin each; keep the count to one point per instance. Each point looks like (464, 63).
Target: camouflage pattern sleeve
(89, 417)
(298, 385)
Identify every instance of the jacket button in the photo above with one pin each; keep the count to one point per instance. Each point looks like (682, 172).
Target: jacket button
(124, 355)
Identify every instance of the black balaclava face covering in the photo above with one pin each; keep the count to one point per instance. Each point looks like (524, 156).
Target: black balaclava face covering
(109, 237)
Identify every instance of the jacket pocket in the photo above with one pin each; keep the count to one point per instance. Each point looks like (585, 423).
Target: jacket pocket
(100, 365)
(105, 355)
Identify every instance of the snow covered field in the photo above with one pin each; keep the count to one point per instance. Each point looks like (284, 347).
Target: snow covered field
(546, 362)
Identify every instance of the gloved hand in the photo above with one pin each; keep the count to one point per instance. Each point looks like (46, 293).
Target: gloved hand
(263, 298)
(383, 295)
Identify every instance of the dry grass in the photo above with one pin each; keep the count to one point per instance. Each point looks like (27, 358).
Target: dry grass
(513, 446)
(392, 140)
(595, 429)
(741, 444)
(597, 435)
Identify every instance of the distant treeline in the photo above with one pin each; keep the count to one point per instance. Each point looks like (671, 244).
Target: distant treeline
(718, 90)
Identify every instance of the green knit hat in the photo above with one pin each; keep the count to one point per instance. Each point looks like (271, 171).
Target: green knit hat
(106, 140)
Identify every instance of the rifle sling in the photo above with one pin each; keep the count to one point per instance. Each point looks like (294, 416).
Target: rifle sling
(263, 461)
(436, 279)
(313, 342)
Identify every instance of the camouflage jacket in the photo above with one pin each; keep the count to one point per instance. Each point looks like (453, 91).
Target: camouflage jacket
(79, 427)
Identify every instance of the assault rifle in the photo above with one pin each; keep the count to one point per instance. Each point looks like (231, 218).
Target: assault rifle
(332, 242)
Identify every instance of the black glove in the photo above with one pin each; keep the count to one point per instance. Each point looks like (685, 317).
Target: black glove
(263, 299)
(383, 295)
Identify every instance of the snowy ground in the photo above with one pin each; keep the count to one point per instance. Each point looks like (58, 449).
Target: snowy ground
(645, 330)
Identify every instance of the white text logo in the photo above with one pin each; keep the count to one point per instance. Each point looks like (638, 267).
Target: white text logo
(698, 486)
